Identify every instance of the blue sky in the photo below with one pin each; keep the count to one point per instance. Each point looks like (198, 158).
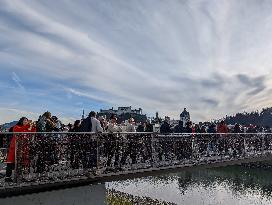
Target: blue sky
(213, 57)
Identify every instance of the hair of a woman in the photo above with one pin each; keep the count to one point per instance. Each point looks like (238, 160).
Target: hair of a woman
(21, 121)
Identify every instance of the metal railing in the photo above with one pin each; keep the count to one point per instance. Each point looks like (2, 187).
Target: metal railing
(57, 156)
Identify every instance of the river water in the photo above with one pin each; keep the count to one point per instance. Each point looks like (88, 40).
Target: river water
(230, 185)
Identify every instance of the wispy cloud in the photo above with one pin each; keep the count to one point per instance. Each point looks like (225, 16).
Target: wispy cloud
(17, 80)
(11, 113)
(210, 56)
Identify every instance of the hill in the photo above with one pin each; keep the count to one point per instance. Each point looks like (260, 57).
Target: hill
(261, 118)
(8, 125)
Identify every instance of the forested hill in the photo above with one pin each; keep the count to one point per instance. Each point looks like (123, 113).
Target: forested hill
(261, 118)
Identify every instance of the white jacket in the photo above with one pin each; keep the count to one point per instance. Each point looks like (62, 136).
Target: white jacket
(96, 126)
(114, 128)
(130, 128)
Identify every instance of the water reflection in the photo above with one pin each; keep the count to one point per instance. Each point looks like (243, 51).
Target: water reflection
(229, 185)
(239, 179)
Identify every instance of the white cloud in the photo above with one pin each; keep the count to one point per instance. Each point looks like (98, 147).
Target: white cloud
(8, 114)
(158, 55)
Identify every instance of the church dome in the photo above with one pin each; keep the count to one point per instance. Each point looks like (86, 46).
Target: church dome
(185, 113)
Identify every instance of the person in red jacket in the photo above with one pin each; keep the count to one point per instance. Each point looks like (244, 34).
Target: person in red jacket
(224, 144)
(23, 125)
(222, 127)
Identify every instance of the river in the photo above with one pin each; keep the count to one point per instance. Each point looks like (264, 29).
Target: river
(230, 185)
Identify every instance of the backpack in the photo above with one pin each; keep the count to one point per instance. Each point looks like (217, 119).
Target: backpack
(86, 125)
(41, 125)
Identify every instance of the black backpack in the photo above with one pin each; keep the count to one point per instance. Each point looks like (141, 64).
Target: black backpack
(86, 125)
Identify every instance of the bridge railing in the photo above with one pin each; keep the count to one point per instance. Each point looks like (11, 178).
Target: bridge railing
(59, 156)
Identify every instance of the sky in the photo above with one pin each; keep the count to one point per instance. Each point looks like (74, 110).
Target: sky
(211, 56)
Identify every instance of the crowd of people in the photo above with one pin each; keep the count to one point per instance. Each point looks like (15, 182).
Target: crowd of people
(92, 123)
(48, 123)
(212, 128)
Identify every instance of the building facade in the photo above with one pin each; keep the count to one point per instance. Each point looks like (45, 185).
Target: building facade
(122, 110)
(124, 113)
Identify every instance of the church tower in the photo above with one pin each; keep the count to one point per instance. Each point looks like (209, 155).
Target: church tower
(185, 117)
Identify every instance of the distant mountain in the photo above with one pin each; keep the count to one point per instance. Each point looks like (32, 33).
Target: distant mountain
(262, 118)
(8, 125)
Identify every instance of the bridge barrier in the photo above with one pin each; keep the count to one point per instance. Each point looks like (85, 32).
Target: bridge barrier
(56, 156)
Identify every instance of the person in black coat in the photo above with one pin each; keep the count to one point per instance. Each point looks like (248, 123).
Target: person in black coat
(212, 128)
(188, 128)
(76, 127)
(165, 128)
(86, 125)
(237, 128)
(75, 145)
(179, 128)
(148, 126)
(148, 141)
(140, 128)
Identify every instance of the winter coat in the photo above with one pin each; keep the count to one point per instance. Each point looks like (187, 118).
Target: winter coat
(113, 128)
(140, 128)
(165, 128)
(24, 148)
(211, 129)
(178, 129)
(75, 129)
(188, 129)
(149, 128)
(237, 129)
(130, 128)
(96, 126)
(86, 125)
(222, 128)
